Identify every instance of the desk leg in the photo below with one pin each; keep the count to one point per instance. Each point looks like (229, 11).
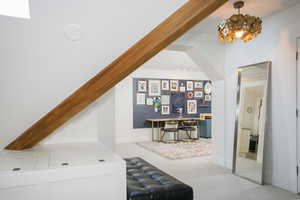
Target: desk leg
(158, 132)
(198, 130)
(153, 131)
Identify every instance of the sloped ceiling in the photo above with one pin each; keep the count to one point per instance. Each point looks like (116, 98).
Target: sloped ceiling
(201, 42)
(37, 51)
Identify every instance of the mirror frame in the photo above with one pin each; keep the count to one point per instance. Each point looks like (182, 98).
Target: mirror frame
(268, 64)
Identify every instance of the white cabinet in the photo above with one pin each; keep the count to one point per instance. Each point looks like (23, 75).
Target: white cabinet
(62, 171)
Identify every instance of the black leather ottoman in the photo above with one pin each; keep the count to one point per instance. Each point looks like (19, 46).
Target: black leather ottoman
(146, 182)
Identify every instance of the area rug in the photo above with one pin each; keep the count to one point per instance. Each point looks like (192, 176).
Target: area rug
(180, 150)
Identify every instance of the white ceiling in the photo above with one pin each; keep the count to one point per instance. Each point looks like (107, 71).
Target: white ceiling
(259, 8)
(171, 60)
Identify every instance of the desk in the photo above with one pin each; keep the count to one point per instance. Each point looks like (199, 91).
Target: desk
(157, 121)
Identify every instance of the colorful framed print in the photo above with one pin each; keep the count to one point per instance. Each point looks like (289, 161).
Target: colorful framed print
(191, 106)
(198, 85)
(190, 95)
(154, 88)
(165, 85)
(174, 85)
(198, 94)
(165, 110)
(207, 98)
(149, 102)
(189, 85)
(165, 99)
(142, 86)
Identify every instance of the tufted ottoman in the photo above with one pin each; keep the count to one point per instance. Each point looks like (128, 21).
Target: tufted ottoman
(146, 182)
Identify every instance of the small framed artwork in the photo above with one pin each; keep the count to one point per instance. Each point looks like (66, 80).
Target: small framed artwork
(149, 102)
(190, 95)
(165, 85)
(198, 85)
(198, 94)
(207, 88)
(165, 110)
(154, 88)
(174, 85)
(165, 99)
(189, 85)
(140, 98)
(182, 89)
(207, 98)
(142, 86)
(191, 106)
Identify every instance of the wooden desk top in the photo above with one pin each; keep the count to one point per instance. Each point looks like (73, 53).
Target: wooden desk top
(172, 119)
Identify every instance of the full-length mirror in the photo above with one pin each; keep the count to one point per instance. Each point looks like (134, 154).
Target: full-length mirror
(250, 127)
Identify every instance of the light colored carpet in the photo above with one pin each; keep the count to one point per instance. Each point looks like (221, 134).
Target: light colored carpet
(181, 150)
(209, 181)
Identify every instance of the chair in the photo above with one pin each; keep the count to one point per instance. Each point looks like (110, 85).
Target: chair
(188, 127)
(169, 128)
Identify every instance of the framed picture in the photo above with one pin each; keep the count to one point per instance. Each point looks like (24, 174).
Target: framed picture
(165, 85)
(207, 98)
(174, 85)
(198, 84)
(149, 102)
(190, 95)
(154, 88)
(189, 85)
(207, 88)
(142, 86)
(198, 94)
(182, 89)
(140, 98)
(165, 110)
(165, 99)
(191, 106)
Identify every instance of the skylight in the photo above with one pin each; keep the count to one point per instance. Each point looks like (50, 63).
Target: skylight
(15, 8)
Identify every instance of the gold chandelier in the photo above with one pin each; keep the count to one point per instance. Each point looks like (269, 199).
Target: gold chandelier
(239, 26)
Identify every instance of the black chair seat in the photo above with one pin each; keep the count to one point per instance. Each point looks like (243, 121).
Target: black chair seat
(187, 128)
(146, 182)
(170, 130)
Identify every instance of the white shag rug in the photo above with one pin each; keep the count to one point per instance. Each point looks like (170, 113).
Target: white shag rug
(181, 150)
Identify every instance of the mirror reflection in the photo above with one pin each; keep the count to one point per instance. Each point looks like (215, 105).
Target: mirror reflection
(251, 121)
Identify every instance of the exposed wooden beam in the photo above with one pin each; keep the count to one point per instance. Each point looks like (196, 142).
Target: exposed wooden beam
(159, 38)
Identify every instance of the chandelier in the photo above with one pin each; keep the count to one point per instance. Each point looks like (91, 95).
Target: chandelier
(239, 26)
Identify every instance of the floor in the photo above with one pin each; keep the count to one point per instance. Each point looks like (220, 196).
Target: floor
(249, 168)
(210, 182)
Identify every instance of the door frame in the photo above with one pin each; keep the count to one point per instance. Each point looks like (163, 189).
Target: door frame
(297, 112)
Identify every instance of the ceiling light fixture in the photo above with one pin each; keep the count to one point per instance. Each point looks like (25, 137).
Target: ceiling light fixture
(239, 26)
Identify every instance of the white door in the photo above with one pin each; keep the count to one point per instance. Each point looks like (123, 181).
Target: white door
(298, 111)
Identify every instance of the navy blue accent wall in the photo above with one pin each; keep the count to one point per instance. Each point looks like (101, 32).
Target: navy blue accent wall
(142, 112)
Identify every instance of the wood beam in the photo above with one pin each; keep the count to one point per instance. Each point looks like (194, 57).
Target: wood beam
(159, 38)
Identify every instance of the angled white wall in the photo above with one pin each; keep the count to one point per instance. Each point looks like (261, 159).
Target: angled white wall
(64, 44)
(95, 124)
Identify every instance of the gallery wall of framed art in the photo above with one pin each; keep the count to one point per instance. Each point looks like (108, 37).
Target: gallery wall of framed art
(166, 98)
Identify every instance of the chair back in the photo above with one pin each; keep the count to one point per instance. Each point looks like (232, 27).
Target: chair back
(171, 125)
(190, 123)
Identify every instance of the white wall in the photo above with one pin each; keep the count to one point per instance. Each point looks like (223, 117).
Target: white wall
(218, 122)
(95, 124)
(277, 43)
(40, 67)
(166, 65)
